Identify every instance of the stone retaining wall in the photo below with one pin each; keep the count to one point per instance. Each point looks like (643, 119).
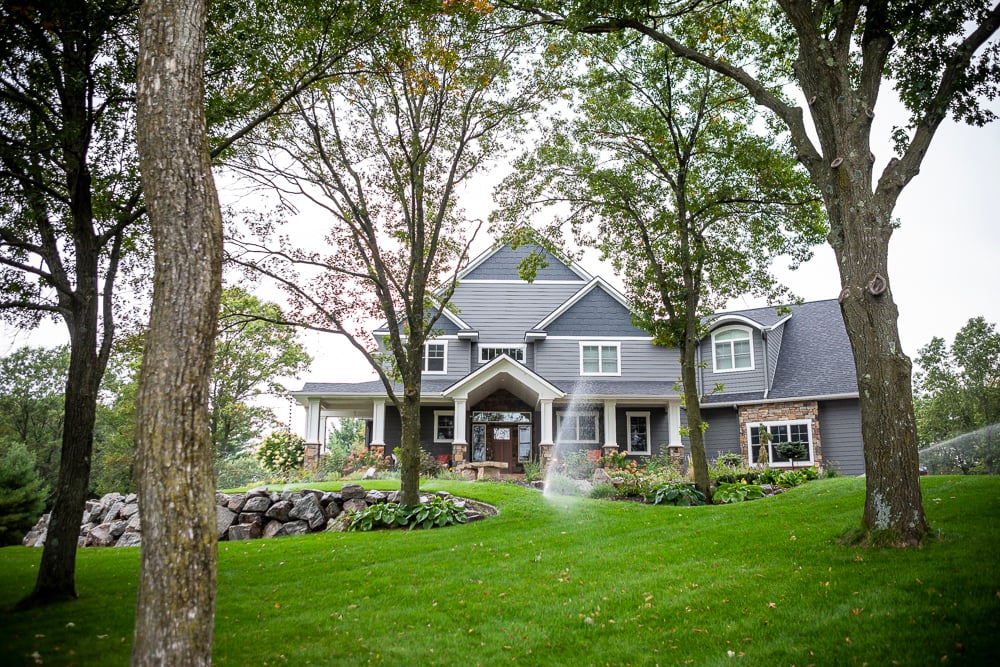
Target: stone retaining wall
(113, 520)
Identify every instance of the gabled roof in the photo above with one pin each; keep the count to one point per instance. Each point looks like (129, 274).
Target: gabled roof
(595, 283)
(488, 375)
(522, 250)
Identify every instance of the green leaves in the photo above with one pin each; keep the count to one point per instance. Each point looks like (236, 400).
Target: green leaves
(436, 512)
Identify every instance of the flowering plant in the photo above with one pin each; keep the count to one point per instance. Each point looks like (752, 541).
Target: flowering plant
(362, 459)
(281, 451)
(613, 460)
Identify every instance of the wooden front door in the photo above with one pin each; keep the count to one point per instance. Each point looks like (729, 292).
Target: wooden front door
(500, 443)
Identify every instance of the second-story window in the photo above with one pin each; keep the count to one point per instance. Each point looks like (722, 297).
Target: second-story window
(435, 357)
(732, 349)
(600, 358)
(491, 352)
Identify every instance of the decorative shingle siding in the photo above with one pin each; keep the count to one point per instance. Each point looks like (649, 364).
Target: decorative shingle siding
(504, 311)
(596, 314)
(774, 338)
(559, 359)
(842, 449)
(502, 265)
(734, 382)
(723, 432)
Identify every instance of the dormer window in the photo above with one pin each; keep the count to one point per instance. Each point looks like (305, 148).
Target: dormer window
(435, 357)
(490, 352)
(732, 349)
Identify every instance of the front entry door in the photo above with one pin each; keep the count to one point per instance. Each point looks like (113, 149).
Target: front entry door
(499, 443)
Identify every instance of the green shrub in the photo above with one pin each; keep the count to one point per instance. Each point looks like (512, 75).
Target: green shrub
(241, 470)
(577, 465)
(794, 450)
(22, 493)
(429, 466)
(281, 451)
(791, 478)
(599, 491)
(561, 485)
(662, 463)
(729, 460)
(736, 493)
(532, 471)
(438, 512)
(675, 493)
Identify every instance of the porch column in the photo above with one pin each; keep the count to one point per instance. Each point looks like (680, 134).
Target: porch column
(610, 428)
(674, 424)
(546, 445)
(313, 413)
(378, 423)
(459, 445)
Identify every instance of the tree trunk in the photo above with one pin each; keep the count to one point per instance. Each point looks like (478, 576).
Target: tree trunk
(893, 502)
(692, 407)
(176, 602)
(57, 571)
(409, 475)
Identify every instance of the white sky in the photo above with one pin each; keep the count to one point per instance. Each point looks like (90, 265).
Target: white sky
(944, 259)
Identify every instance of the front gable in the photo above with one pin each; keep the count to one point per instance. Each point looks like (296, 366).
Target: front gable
(501, 264)
(597, 310)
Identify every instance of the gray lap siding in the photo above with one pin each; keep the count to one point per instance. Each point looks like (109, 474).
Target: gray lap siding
(840, 422)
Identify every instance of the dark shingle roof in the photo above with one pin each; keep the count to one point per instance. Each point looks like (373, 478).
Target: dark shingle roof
(815, 357)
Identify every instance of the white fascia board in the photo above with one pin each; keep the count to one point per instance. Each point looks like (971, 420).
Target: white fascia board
(502, 364)
(790, 399)
(724, 319)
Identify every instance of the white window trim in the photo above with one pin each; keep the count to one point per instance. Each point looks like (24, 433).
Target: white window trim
(444, 413)
(770, 449)
(505, 346)
(734, 327)
(562, 414)
(599, 344)
(628, 433)
(436, 341)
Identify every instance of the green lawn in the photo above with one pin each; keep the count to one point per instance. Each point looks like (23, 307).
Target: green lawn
(573, 582)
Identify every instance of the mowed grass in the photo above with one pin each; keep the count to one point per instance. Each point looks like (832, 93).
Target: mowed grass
(573, 582)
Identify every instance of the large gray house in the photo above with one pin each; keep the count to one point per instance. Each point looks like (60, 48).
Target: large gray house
(519, 367)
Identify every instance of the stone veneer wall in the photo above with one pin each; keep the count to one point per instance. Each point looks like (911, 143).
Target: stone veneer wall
(771, 412)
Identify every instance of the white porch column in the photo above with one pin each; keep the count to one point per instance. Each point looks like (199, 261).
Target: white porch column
(546, 422)
(610, 427)
(674, 423)
(313, 413)
(459, 437)
(378, 422)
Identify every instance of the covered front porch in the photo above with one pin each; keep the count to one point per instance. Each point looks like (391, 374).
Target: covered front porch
(503, 415)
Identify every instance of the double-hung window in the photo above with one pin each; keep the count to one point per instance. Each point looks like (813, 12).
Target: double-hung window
(599, 358)
(435, 357)
(577, 427)
(444, 426)
(732, 349)
(778, 433)
(638, 432)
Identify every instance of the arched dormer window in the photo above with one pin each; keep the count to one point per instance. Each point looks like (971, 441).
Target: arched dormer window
(732, 349)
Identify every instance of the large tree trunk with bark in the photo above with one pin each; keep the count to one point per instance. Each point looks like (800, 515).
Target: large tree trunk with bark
(893, 502)
(176, 603)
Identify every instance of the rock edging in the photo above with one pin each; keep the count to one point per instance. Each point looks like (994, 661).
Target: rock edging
(113, 520)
